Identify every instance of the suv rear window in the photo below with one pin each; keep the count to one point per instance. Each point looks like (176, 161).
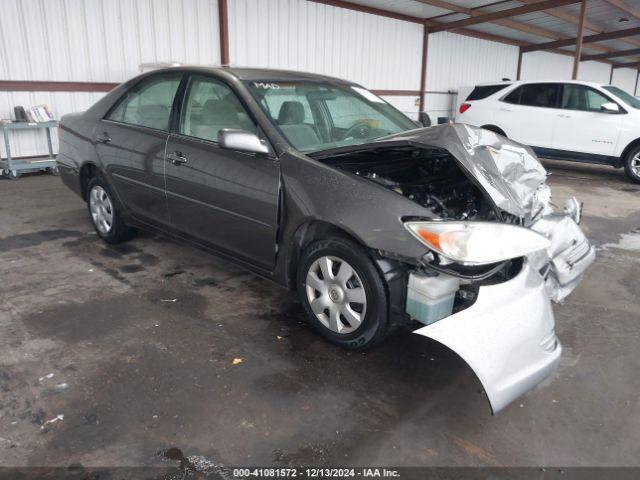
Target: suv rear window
(478, 93)
(535, 95)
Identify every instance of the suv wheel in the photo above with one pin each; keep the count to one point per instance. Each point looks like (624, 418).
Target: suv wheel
(105, 214)
(343, 294)
(632, 164)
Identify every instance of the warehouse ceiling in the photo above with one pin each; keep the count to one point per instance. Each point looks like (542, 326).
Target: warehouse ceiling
(559, 20)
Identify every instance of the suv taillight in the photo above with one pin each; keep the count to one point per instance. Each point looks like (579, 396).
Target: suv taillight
(464, 107)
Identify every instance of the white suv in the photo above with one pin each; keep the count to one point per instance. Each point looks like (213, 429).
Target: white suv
(566, 120)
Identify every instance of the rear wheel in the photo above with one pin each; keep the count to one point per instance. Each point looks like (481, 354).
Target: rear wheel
(632, 164)
(343, 294)
(105, 213)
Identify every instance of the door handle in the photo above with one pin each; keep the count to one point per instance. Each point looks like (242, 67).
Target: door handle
(505, 110)
(104, 138)
(177, 158)
(564, 115)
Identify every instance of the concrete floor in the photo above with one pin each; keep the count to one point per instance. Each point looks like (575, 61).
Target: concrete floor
(135, 345)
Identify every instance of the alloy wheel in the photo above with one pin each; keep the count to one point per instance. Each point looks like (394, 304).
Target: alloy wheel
(635, 165)
(101, 209)
(336, 294)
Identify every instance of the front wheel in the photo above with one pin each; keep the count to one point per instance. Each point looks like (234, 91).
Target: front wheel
(343, 293)
(632, 164)
(105, 213)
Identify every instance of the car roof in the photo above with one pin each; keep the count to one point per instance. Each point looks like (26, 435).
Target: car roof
(524, 82)
(262, 74)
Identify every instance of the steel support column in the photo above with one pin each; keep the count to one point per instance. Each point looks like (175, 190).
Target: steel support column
(576, 58)
(223, 20)
(519, 72)
(423, 72)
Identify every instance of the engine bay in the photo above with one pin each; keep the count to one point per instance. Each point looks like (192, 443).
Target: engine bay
(430, 177)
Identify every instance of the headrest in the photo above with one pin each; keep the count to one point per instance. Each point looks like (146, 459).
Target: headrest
(156, 116)
(291, 113)
(219, 112)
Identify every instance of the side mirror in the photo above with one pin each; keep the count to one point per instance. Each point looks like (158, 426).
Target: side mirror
(610, 107)
(241, 140)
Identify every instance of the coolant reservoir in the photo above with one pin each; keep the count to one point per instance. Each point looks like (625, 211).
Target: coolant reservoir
(430, 298)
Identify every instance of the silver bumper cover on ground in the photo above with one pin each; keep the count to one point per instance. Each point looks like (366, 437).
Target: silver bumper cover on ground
(507, 336)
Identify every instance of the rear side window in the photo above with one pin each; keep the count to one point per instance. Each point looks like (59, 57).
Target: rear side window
(485, 91)
(535, 95)
(149, 103)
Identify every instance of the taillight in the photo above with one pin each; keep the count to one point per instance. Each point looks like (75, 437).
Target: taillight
(464, 107)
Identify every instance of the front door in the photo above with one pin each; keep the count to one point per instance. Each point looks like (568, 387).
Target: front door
(582, 126)
(222, 198)
(131, 143)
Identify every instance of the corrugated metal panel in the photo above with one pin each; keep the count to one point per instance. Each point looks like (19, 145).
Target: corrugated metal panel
(606, 15)
(405, 7)
(103, 41)
(625, 78)
(458, 60)
(594, 72)
(96, 41)
(31, 143)
(551, 66)
(378, 52)
(507, 32)
(546, 66)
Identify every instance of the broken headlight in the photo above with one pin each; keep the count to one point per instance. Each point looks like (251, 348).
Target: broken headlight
(477, 243)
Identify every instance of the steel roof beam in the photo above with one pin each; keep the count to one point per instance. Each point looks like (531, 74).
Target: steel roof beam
(634, 12)
(505, 22)
(511, 12)
(598, 37)
(569, 17)
(611, 54)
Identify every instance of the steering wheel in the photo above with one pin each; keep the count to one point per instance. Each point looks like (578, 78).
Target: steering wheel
(360, 129)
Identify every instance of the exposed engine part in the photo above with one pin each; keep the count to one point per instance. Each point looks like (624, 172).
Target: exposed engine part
(431, 178)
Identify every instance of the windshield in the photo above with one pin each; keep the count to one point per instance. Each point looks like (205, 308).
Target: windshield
(624, 96)
(317, 116)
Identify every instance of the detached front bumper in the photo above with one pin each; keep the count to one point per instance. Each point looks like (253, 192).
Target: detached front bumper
(507, 336)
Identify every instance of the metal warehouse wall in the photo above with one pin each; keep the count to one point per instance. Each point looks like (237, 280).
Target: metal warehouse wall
(378, 52)
(106, 40)
(625, 78)
(95, 41)
(551, 66)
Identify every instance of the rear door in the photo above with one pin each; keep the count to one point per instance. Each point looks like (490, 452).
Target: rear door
(221, 198)
(131, 142)
(529, 112)
(582, 126)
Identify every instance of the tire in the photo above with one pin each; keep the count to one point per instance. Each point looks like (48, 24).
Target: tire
(363, 324)
(632, 164)
(105, 213)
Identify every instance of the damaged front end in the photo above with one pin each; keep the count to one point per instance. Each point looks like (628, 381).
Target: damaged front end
(496, 251)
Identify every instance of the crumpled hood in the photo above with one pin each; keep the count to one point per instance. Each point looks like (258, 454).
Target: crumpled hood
(508, 171)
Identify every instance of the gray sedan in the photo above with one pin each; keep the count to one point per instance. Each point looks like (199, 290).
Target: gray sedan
(325, 188)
